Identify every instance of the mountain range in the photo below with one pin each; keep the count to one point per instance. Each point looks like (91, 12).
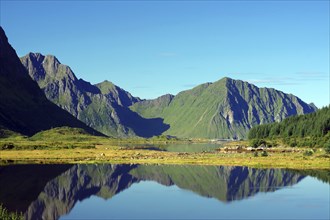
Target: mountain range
(227, 108)
(23, 106)
(103, 106)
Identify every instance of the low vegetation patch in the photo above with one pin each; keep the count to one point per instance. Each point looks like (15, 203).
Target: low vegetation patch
(6, 215)
(66, 145)
(310, 130)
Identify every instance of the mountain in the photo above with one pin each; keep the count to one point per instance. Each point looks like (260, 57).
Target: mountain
(23, 106)
(227, 108)
(56, 194)
(103, 106)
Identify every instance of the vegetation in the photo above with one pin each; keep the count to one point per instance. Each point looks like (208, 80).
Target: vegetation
(56, 138)
(74, 145)
(6, 133)
(264, 154)
(311, 130)
(70, 138)
(308, 152)
(67, 145)
(257, 142)
(223, 109)
(327, 147)
(6, 215)
(116, 155)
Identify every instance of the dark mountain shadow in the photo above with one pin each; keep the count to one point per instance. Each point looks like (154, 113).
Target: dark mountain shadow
(87, 87)
(22, 184)
(23, 106)
(142, 127)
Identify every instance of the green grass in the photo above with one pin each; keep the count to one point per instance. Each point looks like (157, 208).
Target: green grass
(72, 145)
(6, 215)
(71, 138)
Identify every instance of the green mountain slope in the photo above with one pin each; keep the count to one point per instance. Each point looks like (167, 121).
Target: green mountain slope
(23, 106)
(103, 106)
(224, 109)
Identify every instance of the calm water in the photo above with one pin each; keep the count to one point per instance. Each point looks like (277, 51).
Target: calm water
(163, 192)
(193, 147)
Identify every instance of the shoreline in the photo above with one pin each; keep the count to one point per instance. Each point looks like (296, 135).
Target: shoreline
(115, 155)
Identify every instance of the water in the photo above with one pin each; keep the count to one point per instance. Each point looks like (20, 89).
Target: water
(163, 192)
(189, 148)
(200, 147)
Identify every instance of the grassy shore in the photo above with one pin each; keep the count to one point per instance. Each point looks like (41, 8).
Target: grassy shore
(65, 145)
(119, 155)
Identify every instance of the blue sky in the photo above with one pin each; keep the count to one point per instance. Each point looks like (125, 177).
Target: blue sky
(151, 48)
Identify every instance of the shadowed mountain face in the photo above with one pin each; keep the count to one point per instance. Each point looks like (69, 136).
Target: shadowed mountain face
(224, 109)
(103, 106)
(21, 184)
(78, 182)
(23, 106)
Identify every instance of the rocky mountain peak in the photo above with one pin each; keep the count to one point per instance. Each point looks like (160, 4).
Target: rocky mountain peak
(41, 67)
(106, 87)
(51, 62)
(36, 57)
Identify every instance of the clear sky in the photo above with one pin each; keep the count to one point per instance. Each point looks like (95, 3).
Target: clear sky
(151, 48)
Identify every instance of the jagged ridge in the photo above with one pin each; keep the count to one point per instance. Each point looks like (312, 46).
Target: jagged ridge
(224, 109)
(103, 106)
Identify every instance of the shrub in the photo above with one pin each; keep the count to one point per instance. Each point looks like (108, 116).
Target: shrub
(8, 146)
(255, 154)
(309, 152)
(264, 154)
(5, 214)
(257, 142)
(293, 143)
(327, 147)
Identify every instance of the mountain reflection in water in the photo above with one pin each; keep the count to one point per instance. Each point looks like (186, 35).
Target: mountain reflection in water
(50, 191)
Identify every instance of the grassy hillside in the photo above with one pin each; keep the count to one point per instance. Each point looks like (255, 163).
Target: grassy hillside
(224, 109)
